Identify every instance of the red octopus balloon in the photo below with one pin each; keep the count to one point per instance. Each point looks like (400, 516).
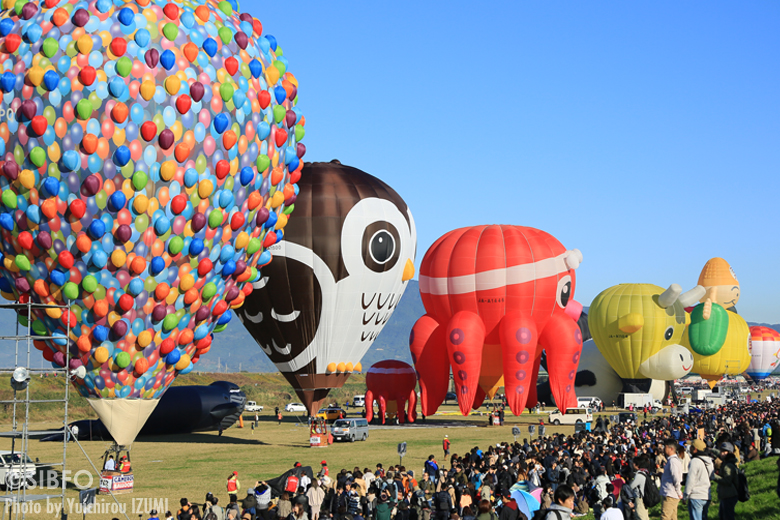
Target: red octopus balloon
(496, 296)
(391, 380)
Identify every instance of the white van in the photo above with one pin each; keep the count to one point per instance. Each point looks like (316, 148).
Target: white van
(358, 401)
(572, 416)
(588, 402)
(350, 430)
(686, 390)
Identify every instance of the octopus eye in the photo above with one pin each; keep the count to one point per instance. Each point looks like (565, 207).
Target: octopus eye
(668, 334)
(564, 291)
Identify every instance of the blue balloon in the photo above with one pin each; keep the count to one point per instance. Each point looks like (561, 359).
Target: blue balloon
(97, 229)
(117, 201)
(210, 46)
(58, 277)
(256, 68)
(126, 16)
(51, 186)
(247, 174)
(167, 59)
(280, 94)
(121, 155)
(7, 221)
(196, 246)
(173, 357)
(157, 265)
(221, 122)
(100, 333)
(8, 79)
(225, 318)
(51, 80)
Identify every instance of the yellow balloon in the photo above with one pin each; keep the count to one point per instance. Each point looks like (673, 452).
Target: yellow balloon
(101, 355)
(184, 362)
(734, 356)
(638, 328)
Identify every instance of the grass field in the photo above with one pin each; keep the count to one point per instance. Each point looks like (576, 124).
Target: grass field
(171, 467)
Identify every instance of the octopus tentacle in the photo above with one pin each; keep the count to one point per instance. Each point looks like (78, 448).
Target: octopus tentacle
(465, 338)
(429, 355)
(517, 332)
(562, 340)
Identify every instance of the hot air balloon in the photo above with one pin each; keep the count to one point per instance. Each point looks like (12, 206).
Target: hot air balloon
(495, 296)
(765, 345)
(334, 281)
(150, 162)
(731, 359)
(638, 328)
(709, 319)
(391, 381)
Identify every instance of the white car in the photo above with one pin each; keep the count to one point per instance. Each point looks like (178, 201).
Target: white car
(358, 401)
(16, 470)
(572, 416)
(252, 406)
(295, 407)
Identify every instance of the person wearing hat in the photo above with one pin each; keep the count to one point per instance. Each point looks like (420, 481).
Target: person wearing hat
(697, 485)
(509, 511)
(726, 477)
(233, 485)
(445, 444)
(153, 515)
(324, 471)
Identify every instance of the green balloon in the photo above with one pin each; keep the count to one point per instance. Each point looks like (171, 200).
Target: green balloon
(49, 113)
(229, 183)
(50, 47)
(18, 6)
(22, 321)
(289, 209)
(209, 290)
(140, 180)
(279, 113)
(300, 131)
(84, 109)
(70, 290)
(71, 50)
(175, 246)
(226, 35)
(99, 293)
(150, 284)
(171, 31)
(9, 199)
(263, 162)
(22, 262)
(122, 359)
(89, 283)
(220, 328)
(254, 246)
(280, 66)
(201, 163)
(142, 222)
(226, 91)
(101, 199)
(39, 328)
(706, 337)
(215, 218)
(224, 6)
(38, 156)
(170, 322)
(19, 154)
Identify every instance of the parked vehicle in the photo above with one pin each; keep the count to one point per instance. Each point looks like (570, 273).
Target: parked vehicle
(16, 470)
(451, 396)
(350, 430)
(638, 401)
(626, 417)
(330, 413)
(572, 416)
(686, 390)
(589, 402)
(252, 406)
(358, 401)
(295, 407)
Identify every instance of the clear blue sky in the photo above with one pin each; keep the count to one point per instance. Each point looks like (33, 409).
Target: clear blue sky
(646, 134)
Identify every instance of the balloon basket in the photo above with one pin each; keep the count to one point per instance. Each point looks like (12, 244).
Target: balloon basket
(318, 441)
(319, 436)
(115, 482)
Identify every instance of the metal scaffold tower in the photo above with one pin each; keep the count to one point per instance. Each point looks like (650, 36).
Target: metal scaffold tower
(25, 482)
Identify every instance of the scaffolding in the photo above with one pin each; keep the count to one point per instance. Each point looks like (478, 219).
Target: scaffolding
(21, 476)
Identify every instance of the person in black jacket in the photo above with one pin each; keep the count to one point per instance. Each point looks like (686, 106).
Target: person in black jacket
(510, 511)
(443, 505)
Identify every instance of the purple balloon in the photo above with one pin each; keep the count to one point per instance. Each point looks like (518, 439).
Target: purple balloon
(202, 314)
(232, 293)
(241, 39)
(44, 240)
(26, 110)
(22, 284)
(290, 118)
(28, 10)
(199, 221)
(152, 57)
(159, 312)
(123, 233)
(90, 186)
(59, 358)
(166, 139)
(119, 328)
(74, 363)
(262, 216)
(300, 150)
(80, 18)
(197, 91)
(11, 169)
(240, 268)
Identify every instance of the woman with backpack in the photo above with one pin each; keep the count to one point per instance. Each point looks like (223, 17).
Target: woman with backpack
(727, 478)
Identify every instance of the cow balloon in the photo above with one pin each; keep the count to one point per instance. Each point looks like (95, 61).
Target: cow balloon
(388, 381)
(496, 296)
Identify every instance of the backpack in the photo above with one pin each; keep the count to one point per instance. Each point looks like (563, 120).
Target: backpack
(541, 514)
(443, 501)
(211, 515)
(651, 497)
(743, 491)
(291, 485)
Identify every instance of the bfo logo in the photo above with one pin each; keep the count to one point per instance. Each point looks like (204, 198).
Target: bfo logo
(49, 479)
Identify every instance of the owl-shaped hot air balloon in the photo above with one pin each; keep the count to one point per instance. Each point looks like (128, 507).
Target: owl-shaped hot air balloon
(335, 279)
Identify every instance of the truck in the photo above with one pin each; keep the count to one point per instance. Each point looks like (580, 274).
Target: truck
(701, 395)
(639, 401)
(252, 406)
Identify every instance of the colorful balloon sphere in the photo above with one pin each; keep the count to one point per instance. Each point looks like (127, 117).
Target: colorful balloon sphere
(143, 148)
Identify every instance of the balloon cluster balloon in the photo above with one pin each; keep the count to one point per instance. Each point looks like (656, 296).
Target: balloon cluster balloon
(150, 156)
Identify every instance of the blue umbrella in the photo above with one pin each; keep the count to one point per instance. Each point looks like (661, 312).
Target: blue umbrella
(526, 503)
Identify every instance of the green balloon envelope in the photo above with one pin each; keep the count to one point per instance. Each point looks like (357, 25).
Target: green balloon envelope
(706, 337)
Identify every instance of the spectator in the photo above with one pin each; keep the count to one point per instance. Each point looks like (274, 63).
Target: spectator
(726, 477)
(671, 481)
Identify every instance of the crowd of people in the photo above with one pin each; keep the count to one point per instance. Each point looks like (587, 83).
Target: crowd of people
(617, 471)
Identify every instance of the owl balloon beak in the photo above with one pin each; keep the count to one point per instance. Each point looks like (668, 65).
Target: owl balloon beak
(408, 271)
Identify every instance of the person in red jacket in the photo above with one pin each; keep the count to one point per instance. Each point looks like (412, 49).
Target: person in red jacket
(445, 444)
(233, 486)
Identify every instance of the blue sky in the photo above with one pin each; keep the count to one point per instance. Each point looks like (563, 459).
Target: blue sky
(646, 134)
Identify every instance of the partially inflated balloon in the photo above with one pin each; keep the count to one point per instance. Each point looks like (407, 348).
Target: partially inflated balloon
(142, 161)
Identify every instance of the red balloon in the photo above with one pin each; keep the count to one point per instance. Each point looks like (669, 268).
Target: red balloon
(503, 294)
(391, 380)
(426, 342)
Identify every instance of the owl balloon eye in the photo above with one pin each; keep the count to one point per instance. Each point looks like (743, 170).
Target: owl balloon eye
(381, 246)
